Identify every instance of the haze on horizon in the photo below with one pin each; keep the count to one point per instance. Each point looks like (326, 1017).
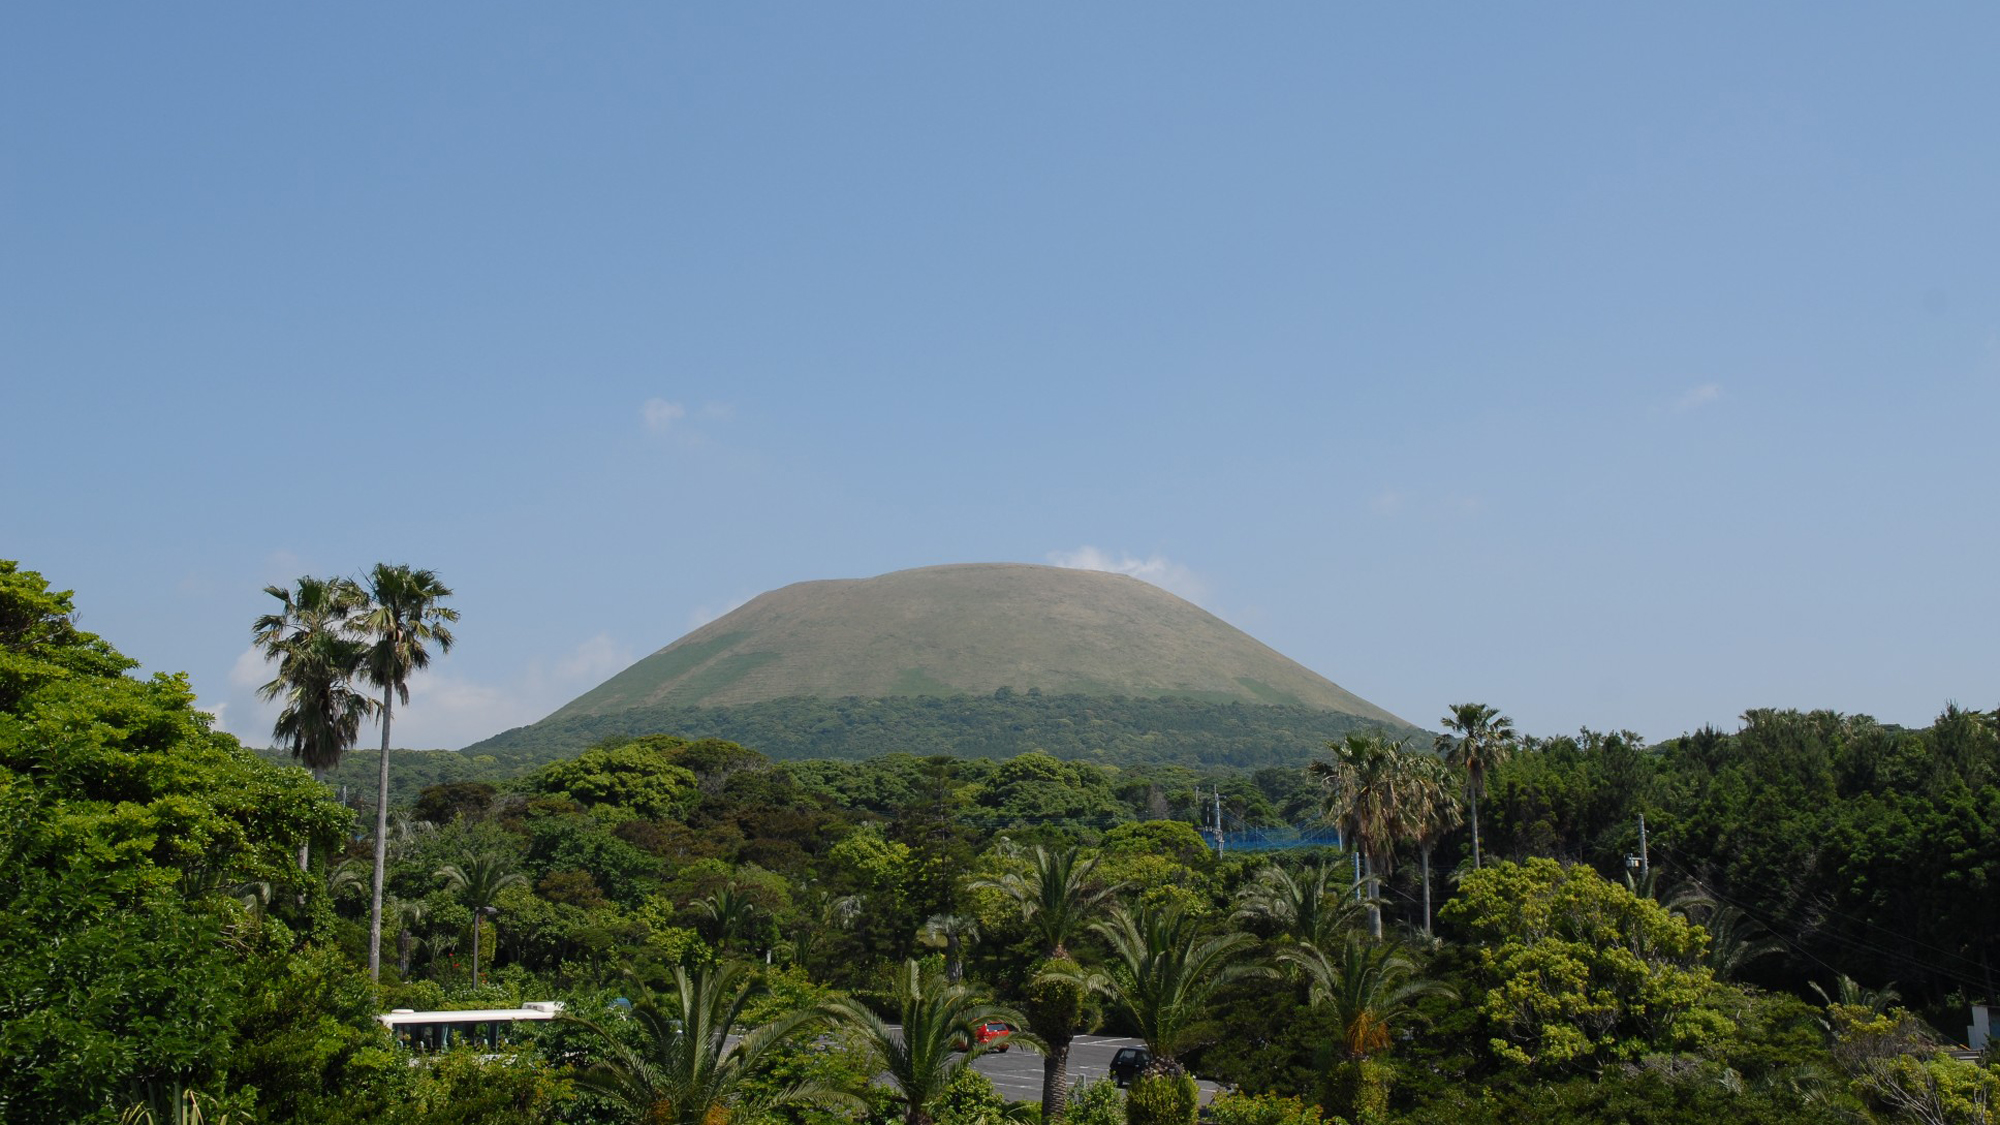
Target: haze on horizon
(1618, 367)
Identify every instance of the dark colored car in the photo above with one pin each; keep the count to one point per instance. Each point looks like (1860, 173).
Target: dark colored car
(1129, 1063)
(992, 1031)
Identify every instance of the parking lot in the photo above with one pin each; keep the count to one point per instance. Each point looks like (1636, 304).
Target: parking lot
(1017, 1074)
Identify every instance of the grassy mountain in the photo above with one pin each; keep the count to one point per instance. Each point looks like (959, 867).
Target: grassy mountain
(967, 630)
(1117, 730)
(962, 659)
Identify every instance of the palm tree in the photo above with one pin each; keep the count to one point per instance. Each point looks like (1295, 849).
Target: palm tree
(1164, 972)
(318, 660)
(1056, 896)
(1368, 988)
(405, 830)
(822, 914)
(407, 914)
(726, 914)
(954, 932)
(347, 877)
(1734, 940)
(1850, 993)
(1433, 811)
(172, 1102)
(255, 895)
(402, 620)
(937, 1019)
(1308, 906)
(1483, 739)
(688, 1070)
(479, 882)
(1368, 783)
(1059, 1009)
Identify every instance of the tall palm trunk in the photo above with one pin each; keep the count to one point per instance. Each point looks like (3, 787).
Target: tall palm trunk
(305, 845)
(305, 858)
(477, 917)
(1374, 898)
(1426, 849)
(1475, 823)
(381, 849)
(1055, 1081)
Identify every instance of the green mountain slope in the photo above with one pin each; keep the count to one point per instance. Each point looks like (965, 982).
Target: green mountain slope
(973, 659)
(1117, 730)
(968, 630)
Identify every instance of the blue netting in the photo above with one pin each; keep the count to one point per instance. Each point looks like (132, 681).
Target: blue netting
(1277, 839)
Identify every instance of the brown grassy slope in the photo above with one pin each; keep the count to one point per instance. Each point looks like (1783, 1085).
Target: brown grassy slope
(968, 629)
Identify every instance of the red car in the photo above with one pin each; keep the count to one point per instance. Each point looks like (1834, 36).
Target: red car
(991, 1032)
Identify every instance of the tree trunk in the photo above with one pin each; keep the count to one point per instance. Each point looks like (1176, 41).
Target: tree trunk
(381, 849)
(954, 958)
(1055, 1082)
(1357, 1089)
(1475, 826)
(1374, 900)
(476, 920)
(305, 859)
(1427, 890)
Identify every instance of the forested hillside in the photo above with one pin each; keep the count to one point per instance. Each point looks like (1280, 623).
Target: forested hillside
(1119, 730)
(185, 925)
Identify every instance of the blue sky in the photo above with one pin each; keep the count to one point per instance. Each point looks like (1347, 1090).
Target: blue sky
(1619, 366)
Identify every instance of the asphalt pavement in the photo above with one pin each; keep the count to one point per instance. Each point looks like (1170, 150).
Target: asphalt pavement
(1017, 1073)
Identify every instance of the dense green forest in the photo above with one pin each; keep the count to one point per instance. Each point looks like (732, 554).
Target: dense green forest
(1120, 729)
(187, 922)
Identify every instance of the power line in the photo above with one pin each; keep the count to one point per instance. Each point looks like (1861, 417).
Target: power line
(1830, 912)
(1774, 924)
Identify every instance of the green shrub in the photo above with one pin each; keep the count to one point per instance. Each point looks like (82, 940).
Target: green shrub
(1266, 1109)
(1164, 1095)
(969, 1099)
(1358, 1089)
(1096, 1103)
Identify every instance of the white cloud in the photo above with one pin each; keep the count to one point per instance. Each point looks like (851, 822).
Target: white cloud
(447, 711)
(594, 660)
(684, 427)
(660, 415)
(447, 708)
(1156, 569)
(240, 712)
(703, 614)
(1698, 397)
(282, 568)
(250, 670)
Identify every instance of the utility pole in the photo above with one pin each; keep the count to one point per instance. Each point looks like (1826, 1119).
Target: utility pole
(1645, 864)
(1218, 820)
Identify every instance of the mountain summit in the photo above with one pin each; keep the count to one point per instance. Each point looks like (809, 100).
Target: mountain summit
(967, 630)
